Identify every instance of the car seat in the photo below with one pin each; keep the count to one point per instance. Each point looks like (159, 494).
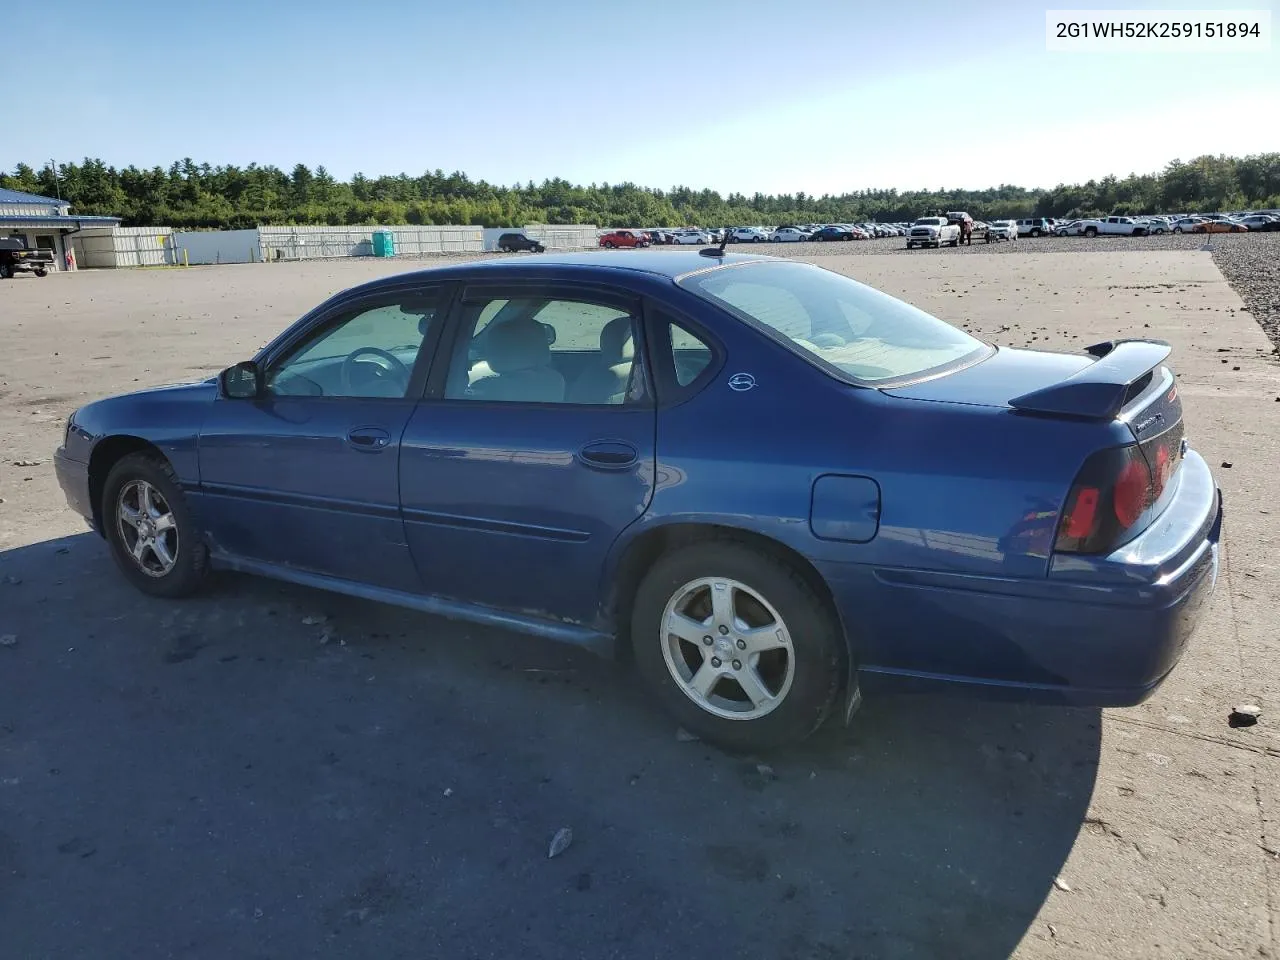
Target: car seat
(520, 357)
(606, 379)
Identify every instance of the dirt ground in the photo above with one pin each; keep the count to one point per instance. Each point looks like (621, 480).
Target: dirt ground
(206, 779)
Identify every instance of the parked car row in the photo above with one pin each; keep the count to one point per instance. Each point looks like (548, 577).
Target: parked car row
(786, 233)
(1266, 221)
(917, 232)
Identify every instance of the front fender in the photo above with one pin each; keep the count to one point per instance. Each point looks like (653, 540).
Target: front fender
(169, 418)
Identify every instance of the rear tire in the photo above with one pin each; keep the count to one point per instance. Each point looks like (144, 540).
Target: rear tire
(796, 674)
(153, 537)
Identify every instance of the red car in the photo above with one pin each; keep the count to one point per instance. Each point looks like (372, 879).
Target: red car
(624, 238)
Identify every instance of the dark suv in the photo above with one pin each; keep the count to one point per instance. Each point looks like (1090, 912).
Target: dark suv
(515, 242)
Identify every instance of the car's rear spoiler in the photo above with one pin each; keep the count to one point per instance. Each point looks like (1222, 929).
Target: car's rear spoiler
(1101, 390)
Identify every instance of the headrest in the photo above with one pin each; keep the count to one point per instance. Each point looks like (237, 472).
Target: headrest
(616, 343)
(517, 345)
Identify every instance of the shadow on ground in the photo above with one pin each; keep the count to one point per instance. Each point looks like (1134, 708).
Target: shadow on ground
(210, 779)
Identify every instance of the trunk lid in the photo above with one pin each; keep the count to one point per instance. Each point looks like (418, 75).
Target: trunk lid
(1006, 374)
(1124, 380)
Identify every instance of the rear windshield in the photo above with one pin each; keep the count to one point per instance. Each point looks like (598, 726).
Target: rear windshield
(849, 329)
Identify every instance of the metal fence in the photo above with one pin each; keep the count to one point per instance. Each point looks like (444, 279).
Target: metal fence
(125, 247)
(316, 243)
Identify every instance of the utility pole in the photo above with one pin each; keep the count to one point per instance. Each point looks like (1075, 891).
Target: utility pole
(53, 167)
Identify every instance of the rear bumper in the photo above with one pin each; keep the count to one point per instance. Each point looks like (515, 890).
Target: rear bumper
(1102, 632)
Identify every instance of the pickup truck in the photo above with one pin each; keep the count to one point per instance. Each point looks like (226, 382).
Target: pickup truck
(933, 232)
(624, 238)
(1115, 226)
(15, 258)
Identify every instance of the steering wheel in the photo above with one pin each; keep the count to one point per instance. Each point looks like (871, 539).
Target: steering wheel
(387, 365)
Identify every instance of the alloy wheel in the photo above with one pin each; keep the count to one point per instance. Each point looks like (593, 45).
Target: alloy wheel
(148, 528)
(727, 648)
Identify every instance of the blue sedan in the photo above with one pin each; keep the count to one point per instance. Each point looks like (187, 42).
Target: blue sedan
(775, 487)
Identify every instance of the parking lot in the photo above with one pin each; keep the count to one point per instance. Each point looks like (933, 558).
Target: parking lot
(208, 779)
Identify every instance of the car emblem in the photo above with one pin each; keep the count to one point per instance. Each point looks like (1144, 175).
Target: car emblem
(741, 381)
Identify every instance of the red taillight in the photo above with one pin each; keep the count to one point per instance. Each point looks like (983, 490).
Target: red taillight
(1082, 512)
(1107, 501)
(1163, 469)
(1132, 492)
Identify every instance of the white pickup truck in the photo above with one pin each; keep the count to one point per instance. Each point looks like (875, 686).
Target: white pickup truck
(933, 232)
(1116, 226)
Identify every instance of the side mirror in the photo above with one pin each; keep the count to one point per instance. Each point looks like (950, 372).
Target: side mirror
(241, 382)
(550, 331)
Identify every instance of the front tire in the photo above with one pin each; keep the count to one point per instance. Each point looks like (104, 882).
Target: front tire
(153, 537)
(738, 647)
(1091, 232)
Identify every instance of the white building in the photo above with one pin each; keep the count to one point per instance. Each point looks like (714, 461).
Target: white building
(45, 223)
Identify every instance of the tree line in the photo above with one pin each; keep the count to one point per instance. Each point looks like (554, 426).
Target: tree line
(194, 195)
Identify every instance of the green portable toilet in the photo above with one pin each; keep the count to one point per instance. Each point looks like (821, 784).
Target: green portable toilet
(384, 243)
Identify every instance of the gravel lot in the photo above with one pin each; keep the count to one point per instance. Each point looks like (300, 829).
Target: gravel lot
(208, 779)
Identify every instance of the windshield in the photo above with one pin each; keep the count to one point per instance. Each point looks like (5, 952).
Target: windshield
(930, 222)
(847, 328)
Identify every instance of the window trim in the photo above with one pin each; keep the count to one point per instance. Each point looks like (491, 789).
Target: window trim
(337, 309)
(599, 294)
(670, 392)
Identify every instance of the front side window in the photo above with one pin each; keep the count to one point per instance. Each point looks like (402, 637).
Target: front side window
(368, 352)
(852, 330)
(546, 350)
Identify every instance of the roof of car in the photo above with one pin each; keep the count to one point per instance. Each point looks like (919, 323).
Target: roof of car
(661, 263)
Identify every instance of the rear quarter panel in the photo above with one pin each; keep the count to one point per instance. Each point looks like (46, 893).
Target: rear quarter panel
(964, 487)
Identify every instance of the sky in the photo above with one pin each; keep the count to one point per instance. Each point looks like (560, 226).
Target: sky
(820, 96)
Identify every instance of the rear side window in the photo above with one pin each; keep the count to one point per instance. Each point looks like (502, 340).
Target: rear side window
(849, 329)
(689, 354)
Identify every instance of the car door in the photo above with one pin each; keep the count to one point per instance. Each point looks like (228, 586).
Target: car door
(534, 451)
(307, 474)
